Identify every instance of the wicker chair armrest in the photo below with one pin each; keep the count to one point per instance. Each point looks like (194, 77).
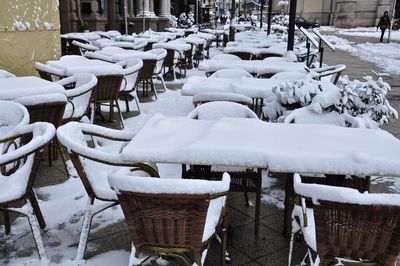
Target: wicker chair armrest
(49, 69)
(80, 90)
(66, 81)
(42, 132)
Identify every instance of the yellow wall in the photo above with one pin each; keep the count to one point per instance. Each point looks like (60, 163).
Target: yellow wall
(29, 32)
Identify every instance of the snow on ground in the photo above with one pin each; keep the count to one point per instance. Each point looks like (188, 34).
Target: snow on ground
(363, 32)
(63, 204)
(384, 55)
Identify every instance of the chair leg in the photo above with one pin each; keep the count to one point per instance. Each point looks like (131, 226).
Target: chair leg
(291, 250)
(33, 222)
(163, 82)
(120, 114)
(153, 89)
(246, 198)
(50, 147)
(289, 201)
(64, 156)
(111, 114)
(7, 224)
(258, 201)
(137, 104)
(37, 211)
(126, 102)
(87, 222)
(224, 241)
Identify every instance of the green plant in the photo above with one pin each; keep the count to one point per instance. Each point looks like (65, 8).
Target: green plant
(84, 25)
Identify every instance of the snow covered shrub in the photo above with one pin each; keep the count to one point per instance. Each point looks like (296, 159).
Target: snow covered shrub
(366, 98)
(186, 21)
(173, 21)
(281, 20)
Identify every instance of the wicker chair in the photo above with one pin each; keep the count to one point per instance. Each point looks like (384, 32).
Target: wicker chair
(146, 76)
(226, 57)
(107, 92)
(6, 74)
(19, 159)
(83, 47)
(48, 108)
(12, 115)
(346, 225)
(199, 54)
(79, 90)
(262, 56)
(169, 63)
(47, 72)
(93, 164)
(128, 89)
(242, 179)
(242, 55)
(161, 54)
(173, 217)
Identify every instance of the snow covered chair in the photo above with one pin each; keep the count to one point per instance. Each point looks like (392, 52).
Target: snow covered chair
(47, 72)
(128, 87)
(93, 161)
(220, 109)
(346, 226)
(173, 217)
(79, 89)
(243, 179)
(83, 47)
(20, 156)
(226, 57)
(48, 108)
(6, 74)
(335, 71)
(145, 76)
(161, 54)
(221, 96)
(12, 115)
(287, 75)
(231, 73)
(242, 55)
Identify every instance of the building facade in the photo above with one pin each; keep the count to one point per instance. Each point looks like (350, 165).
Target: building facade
(78, 15)
(346, 13)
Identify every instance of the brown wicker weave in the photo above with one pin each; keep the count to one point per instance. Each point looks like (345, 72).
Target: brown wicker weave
(107, 92)
(148, 46)
(362, 184)
(243, 55)
(369, 232)
(169, 62)
(248, 181)
(168, 224)
(48, 112)
(145, 76)
(199, 54)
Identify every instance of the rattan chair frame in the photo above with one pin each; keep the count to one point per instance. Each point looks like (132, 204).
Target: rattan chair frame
(145, 77)
(32, 210)
(91, 209)
(171, 224)
(249, 181)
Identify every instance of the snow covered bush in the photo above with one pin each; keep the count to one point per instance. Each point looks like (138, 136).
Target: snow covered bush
(186, 21)
(281, 20)
(173, 21)
(364, 103)
(366, 98)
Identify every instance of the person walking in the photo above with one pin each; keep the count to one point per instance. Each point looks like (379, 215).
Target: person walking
(384, 23)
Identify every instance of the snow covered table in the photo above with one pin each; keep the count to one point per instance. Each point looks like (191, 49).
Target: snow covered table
(251, 87)
(84, 65)
(251, 143)
(12, 88)
(253, 66)
(285, 148)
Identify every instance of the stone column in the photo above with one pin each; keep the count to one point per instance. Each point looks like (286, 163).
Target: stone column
(139, 5)
(165, 13)
(165, 8)
(151, 8)
(111, 15)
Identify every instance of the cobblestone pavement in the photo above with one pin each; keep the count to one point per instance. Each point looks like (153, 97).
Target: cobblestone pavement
(269, 247)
